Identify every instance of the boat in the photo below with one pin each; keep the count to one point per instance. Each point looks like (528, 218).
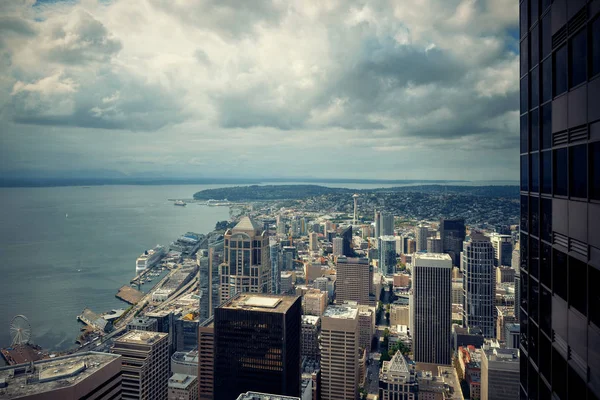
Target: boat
(149, 259)
(180, 203)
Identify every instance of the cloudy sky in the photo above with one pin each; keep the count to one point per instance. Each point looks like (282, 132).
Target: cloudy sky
(399, 89)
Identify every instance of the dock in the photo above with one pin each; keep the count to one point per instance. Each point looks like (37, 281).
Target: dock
(129, 294)
(23, 353)
(92, 319)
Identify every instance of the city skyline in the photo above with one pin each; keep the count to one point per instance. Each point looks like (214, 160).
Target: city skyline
(86, 92)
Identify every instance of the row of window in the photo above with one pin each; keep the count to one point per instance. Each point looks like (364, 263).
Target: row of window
(570, 65)
(530, 11)
(568, 171)
(536, 129)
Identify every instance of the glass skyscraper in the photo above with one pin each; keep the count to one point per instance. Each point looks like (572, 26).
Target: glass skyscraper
(560, 199)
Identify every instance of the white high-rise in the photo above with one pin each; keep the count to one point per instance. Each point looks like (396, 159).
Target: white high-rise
(432, 308)
(355, 198)
(503, 248)
(479, 282)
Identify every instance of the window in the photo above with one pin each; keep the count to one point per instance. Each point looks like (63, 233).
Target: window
(524, 134)
(524, 214)
(559, 273)
(577, 288)
(533, 12)
(546, 265)
(546, 220)
(534, 260)
(524, 242)
(546, 35)
(534, 78)
(534, 225)
(578, 171)
(547, 126)
(547, 80)
(595, 47)
(524, 57)
(524, 95)
(535, 172)
(534, 46)
(545, 346)
(524, 173)
(595, 170)
(560, 172)
(524, 18)
(535, 130)
(578, 59)
(559, 82)
(545, 4)
(546, 166)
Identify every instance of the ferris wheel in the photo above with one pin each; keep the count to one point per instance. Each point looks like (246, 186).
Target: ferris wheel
(20, 330)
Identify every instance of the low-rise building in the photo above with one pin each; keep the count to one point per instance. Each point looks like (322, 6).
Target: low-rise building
(401, 280)
(399, 314)
(499, 372)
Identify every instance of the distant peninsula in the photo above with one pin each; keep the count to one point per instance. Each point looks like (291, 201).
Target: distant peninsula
(298, 192)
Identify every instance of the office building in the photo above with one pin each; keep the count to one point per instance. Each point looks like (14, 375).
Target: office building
(206, 359)
(347, 242)
(183, 387)
(366, 327)
(434, 245)
(143, 323)
(257, 345)
(397, 381)
(377, 222)
(505, 274)
(354, 280)
(280, 226)
(314, 302)
(313, 241)
(186, 332)
(503, 248)
(339, 353)
(264, 396)
(387, 224)
(311, 326)
(500, 373)
(479, 283)
(560, 190)
(71, 377)
(411, 247)
(355, 217)
(247, 263)
(205, 282)
(338, 246)
(287, 285)
(421, 235)
(288, 255)
(452, 233)
(144, 364)
(185, 363)
(387, 255)
(432, 308)
(275, 268)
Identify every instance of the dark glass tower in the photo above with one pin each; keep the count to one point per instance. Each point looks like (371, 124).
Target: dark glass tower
(560, 199)
(347, 241)
(257, 345)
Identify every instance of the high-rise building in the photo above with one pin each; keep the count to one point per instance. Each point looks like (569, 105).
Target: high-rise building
(347, 242)
(355, 198)
(432, 308)
(288, 255)
(421, 235)
(280, 226)
(387, 255)
(287, 285)
(434, 245)
(396, 380)
(338, 246)
(257, 345)
(206, 359)
(313, 241)
(479, 283)
(275, 268)
(247, 265)
(387, 224)
(560, 190)
(75, 376)
(377, 222)
(452, 233)
(502, 249)
(311, 326)
(183, 387)
(366, 327)
(499, 373)
(354, 280)
(144, 364)
(314, 302)
(205, 285)
(339, 353)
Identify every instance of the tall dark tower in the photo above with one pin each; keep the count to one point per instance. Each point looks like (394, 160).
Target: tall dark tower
(560, 199)
(257, 345)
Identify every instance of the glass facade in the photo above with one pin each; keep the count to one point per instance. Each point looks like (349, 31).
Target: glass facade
(560, 202)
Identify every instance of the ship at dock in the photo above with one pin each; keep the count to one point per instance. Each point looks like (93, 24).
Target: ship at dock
(149, 259)
(180, 203)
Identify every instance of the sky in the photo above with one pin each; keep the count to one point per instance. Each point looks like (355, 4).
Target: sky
(399, 89)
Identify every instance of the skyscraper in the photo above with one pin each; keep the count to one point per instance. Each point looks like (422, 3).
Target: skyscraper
(434, 245)
(560, 190)
(145, 364)
(432, 305)
(257, 345)
(339, 352)
(355, 198)
(387, 255)
(502, 249)
(377, 221)
(247, 263)
(387, 224)
(206, 359)
(313, 241)
(354, 280)
(347, 243)
(421, 235)
(452, 233)
(479, 283)
(338, 246)
(275, 268)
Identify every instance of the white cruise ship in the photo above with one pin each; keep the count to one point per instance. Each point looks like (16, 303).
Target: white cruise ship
(149, 259)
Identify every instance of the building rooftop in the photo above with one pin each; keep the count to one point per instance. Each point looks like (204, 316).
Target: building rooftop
(181, 381)
(141, 337)
(51, 374)
(247, 225)
(264, 396)
(432, 260)
(310, 319)
(261, 302)
(343, 311)
(352, 260)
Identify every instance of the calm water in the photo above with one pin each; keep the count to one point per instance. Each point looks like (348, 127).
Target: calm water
(106, 229)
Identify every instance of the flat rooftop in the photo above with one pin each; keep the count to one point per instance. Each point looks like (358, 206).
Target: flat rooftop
(261, 302)
(181, 381)
(432, 260)
(51, 374)
(342, 311)
(310, 319)
(264, 396)
(141, 337)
